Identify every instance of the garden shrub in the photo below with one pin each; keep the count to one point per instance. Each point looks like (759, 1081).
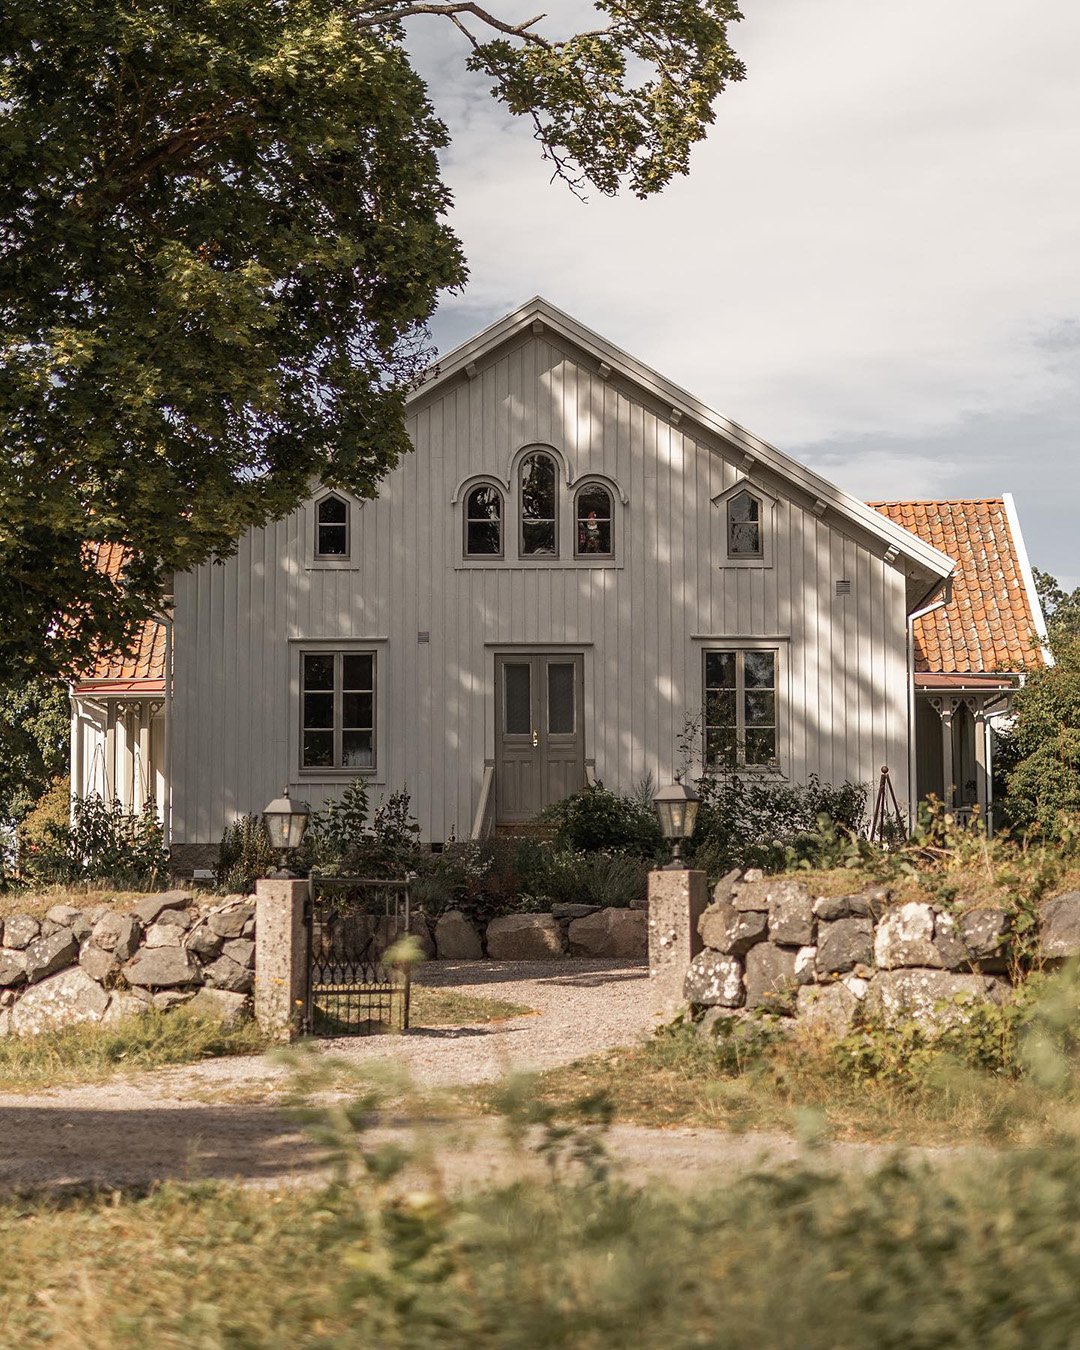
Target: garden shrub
(596, 820)
(244, 855)
(340, 839)
(102, 841)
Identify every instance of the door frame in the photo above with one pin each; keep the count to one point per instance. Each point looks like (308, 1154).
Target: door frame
(537, 653)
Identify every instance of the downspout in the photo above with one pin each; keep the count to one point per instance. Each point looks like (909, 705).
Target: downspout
(913, 758)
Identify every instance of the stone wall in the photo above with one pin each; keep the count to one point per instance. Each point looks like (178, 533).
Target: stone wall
(568, 930)
(99, 964)
(771, 943)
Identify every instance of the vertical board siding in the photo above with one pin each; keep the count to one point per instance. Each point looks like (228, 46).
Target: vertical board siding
(842, 663)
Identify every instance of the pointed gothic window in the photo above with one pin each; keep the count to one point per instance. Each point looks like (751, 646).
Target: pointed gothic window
(744, 526)
(332, 528)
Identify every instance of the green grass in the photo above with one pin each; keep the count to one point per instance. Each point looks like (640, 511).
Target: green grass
(981, 1255)
(447, 1008)
(87, 1053)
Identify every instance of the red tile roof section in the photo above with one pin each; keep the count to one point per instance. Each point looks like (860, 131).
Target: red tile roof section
(143, 669)
(989, 625)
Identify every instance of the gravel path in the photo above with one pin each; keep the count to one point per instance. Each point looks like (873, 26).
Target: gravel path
(180, 1123)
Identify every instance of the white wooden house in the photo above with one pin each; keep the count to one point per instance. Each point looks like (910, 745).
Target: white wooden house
(578, 558)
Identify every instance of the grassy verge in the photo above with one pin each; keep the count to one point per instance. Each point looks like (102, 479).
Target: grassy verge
(39, 900)
(88, 1054)
(985, 1254)
(447, 1008)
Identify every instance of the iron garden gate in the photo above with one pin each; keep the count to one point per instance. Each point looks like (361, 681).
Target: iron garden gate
(352, 922)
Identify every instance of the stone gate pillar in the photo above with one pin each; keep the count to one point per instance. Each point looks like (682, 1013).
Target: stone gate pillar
(676, 902)
(281, 956)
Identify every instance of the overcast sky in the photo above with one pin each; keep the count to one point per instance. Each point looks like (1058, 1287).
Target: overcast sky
(874, 262)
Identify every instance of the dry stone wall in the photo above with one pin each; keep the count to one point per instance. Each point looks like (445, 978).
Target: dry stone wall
(98, 965)
(771, 943)
(568, 930)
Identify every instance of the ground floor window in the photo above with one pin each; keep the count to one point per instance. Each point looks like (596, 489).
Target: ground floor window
(337, 710)
(740, 708)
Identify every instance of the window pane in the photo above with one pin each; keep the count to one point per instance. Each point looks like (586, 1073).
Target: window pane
(720, 670)
(561, 699)
(319, 749)
(318, 710)
(538, 537)
(594, 499)
(483, 537)
(332, 541)
(594, 535)
(319, 671)
(744, 526)
(720, 708)
(538, 488)
(485, 503)
(759, 670)
(332, 511)
(359, 668)
(356, 750)
(745, 507)
(517, 700)
(761, 745)
(720, 744)
(356, 710)
(760, 708)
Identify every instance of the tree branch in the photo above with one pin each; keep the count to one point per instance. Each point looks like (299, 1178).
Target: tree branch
(377, 12)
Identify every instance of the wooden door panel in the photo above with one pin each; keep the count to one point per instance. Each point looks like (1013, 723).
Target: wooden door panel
(539, 735)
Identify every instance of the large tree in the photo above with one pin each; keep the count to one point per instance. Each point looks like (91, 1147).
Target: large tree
(222, 233)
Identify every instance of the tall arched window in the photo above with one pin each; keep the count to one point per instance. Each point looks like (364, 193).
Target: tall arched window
(332, 528)
(483, 522)
(744, 526)
(593, 522)
(539, 506)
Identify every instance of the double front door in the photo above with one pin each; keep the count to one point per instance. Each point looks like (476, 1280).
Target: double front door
(539, 738)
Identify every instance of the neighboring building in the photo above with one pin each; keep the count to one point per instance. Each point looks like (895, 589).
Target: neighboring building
(578, 557)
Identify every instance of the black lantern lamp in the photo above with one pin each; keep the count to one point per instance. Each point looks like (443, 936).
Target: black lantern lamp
(677, 807)
(286, 822)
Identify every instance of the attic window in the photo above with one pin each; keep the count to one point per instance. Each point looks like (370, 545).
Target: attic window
(332, 528)
(744, 526)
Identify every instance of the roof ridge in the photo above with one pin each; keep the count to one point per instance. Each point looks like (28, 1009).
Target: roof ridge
(934, 501)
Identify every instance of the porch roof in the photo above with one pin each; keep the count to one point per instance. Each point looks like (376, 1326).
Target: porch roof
(994, 622)
(142, 668)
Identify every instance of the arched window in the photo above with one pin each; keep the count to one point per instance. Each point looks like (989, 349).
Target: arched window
(593, 522)
(539, 506)
(483, 522)
(744, 526)
(332, 528)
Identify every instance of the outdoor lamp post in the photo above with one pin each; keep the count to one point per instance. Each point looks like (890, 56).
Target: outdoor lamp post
(286, 822)
(677, 807)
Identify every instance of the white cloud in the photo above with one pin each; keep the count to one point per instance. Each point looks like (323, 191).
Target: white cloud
(872, 246)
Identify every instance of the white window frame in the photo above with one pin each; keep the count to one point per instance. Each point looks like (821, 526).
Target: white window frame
(309, 521)
(740, 651)
(768, 526)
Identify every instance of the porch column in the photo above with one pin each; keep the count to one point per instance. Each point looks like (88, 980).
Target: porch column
(982, 766)
(143, 784)
(947, 709)
(109, 783)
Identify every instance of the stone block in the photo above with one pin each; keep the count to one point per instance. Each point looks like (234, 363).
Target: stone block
(844, 944)
(281, 956)
(224, 973)
(805, 967)
(162, 968)
(866, 904)
(570, 911)
(242, 951)
(905, 937)
(230, 1007)
(20, 930)
(164, 1000)
(770, 975)
(163, 935)
(456, 939)
(732, 931)
(229, 923)
(124, 1003)
(525, 937)
(12, 967)
(149, 910)
(714, 980)
(67, 916)
(50, 953)
(791, 914)
(176, 918)
(205, 943)
(58, 1001)
(725, 887)
(1059, 927)
(98, 965)
(611, 932)
(913, 993)
(676, 902)
(117, 933)
(420, 928)
(827, 1008)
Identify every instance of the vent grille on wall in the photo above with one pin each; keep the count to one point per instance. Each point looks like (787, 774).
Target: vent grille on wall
(843, 588)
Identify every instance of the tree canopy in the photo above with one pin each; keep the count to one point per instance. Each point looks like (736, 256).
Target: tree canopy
(222, 233)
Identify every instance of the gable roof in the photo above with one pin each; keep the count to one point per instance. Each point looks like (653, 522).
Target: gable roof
(994, 620)
(142, 669)
(925, 566)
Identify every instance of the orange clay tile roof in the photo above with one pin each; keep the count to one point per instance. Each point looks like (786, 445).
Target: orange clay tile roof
(143, 669)
(989, 625)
